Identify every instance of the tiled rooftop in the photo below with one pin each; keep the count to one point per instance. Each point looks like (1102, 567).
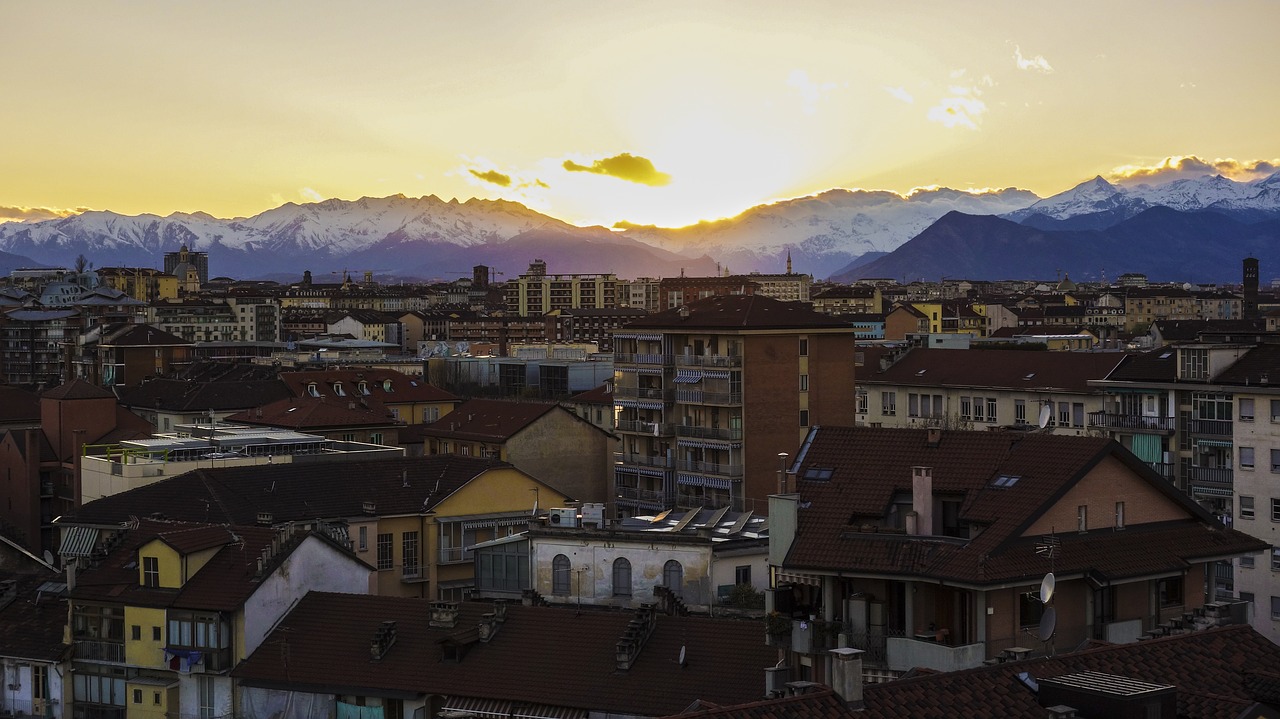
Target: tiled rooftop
(999, 369)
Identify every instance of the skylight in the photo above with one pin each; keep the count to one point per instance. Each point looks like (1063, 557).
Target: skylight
(1005, 480)
(817, 474)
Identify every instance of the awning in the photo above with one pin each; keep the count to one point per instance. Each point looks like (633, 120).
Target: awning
(715, 373)
(78, 541)
(708, 444)
(498, 522)
(639, 370)
(697, 480)
(1213, 442)
(1210, 491)
(688, 376)
(639, 403)
(634, 336)
(460, 707)
(643, 470)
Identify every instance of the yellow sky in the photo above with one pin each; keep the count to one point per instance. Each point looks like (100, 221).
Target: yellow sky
(649, 112)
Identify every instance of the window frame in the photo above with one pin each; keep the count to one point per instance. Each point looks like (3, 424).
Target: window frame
(386, 559)
(150, 571)
(621, 577)
(1247, 509)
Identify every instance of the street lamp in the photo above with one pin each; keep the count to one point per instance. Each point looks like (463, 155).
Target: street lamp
(782, 472)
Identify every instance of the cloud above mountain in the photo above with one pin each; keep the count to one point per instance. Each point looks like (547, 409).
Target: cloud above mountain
(36, 214)
(492, 176)
(1189, 166)
(1032, 64)
(626, 166)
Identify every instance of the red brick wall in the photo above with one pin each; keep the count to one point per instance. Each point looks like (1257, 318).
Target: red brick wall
(1108, 483)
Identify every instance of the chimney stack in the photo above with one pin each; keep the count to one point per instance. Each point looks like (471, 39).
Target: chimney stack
(443, 614)
(846, 675)
(922, 498)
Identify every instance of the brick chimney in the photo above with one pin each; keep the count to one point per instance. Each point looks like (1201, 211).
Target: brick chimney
(846, 674)
(444, 614)
(922, 499)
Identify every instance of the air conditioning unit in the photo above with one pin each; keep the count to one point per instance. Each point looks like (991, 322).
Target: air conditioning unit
(593, 515)
(563, 517)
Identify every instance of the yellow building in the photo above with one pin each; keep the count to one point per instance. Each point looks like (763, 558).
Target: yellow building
(140, 283)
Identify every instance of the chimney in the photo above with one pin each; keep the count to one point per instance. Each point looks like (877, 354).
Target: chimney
(922, 499)
(444, 614)
(383, 638)
(488, 626)
(846, 675)
(1061, 711)
(934, 438)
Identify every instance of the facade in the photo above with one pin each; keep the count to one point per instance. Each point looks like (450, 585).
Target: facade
(676, 291)
(978, 389)
(181, 263)
(848, 300)
(127, 354)
(1144, 305)
(929, 548)
(223, 319)
(703, 404)
(33, 343)
(537, 293)
(590, 325)
(141, 283)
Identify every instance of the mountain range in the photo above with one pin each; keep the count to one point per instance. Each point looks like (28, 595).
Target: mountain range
(1176, 230)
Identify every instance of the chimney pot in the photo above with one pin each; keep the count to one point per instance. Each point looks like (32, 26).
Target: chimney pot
(922, 499)
(846, 674)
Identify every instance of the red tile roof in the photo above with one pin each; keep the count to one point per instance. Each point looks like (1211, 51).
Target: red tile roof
(403, 388)
(739, 312)
(77, 389)
(999, 369)
(491, 420)
(18, 405)
(596, 395)
(548, 656)
(31, 626)
(871, 465)
(317, 413)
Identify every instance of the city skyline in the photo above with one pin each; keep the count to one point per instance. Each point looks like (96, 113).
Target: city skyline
(656, 114)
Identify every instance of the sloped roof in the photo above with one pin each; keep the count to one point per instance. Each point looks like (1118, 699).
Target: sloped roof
(18, 405)
(292, 492)
(1160, 365)
(176, 395)
(748, 312)
(316, 413)
(136, 335)
(1257, 366)
(386, 385)
(596, 395)
(999, 369)
(31, 626)
(77, 389)
(490, 420)
(870, 465)
(541, 655)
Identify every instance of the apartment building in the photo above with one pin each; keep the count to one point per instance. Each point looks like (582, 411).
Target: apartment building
(537, 293)
(711, 393)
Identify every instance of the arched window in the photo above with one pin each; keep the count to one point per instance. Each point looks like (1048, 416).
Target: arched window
(560, 575)
(673, 576)
(621, 577)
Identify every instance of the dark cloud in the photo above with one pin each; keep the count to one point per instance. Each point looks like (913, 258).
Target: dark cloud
(36, 214)
(624, 167)
(493, 176)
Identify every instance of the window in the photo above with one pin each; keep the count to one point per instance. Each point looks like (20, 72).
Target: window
(1275, 460)
(966, 408)
(913, 405)
(888, 403)
(862, 401)
(621, 577)
(673, 576)
(1246, 561)
(1246, 507)
(1082, 518)
(409, 552)
(136, 633)
(1119, 515)
(1030, 609)
(804, 347)
(1020, 411)
(375, 438)
(204, 690)
(1077, 414)
(742, 574)
(1275, 607)
(1246, 409)
(137, 696)
(804, 383)
(1064, 414)
(155, 634)
(155, 698)
(978, 414)
(1275, 410)
(1275, 510)
(1169, 591)
(363, 539)
(1246, 458)
(150, 571)
(385, 558)
(1194, 363)
(991, 409)
(348, 437)
(560, 575)
(804, 418)
(1275, 559)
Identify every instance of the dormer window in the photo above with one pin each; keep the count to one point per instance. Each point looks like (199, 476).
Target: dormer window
(313, 390)
(364, 388)
(338, 390)
(386, 385)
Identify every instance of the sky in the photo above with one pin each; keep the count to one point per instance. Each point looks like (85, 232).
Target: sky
(606, 112)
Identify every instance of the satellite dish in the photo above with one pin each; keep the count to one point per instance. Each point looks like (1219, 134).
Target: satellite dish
(1048, 624)
(682, 661)
(1045, 413)
(1046, 587)
(48, 557)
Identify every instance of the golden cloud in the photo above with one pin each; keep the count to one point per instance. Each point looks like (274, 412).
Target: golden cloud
(36, 214)
(1183, 166)
(492, 176)
(624, 167)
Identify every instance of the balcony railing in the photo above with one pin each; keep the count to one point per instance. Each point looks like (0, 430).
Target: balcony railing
(644, 359)
(656, 429)
(720, 470)
(638, 393)
(99, 651)
(637, 494)
(707, 361)
(410, 573)
(643, 460)
(1216, 476)
(1132, 421)
(697, 396)
(1164, 469)
(1214, 427)
(454, 555)
(708, 432)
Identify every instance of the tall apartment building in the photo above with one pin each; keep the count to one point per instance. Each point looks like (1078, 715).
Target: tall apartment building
(180, 263)
(234, 318)
(710, 393)
(537, 293)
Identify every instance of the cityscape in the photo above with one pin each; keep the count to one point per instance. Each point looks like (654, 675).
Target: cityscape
(332, 387)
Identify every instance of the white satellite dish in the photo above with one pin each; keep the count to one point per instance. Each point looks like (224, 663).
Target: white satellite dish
(48, 557)
(1048, 624)
(1045, 413)
(682, 653)
(1046, 588)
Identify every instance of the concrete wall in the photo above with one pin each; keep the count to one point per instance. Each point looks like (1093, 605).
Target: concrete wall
(567, 453)
(592, 568)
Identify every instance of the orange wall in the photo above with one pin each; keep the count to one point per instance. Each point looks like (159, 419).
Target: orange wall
(1108, 483)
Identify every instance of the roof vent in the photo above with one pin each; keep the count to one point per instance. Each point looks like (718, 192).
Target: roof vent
(370, 507)
(264, 518)
(383, 637)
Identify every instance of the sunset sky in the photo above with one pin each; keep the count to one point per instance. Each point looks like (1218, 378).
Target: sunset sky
(662, 113)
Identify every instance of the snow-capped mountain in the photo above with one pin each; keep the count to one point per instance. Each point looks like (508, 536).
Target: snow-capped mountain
(1110, 203)
(825, 232)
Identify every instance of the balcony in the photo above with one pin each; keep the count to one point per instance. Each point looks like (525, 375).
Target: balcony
(722, 433)
(1137, 423)
(1164, 469)
(644, 460)
(707, 361)
(653, 429)
(99, 651)
(1211, 427)
(638, 393)
(454, 555)
(653, 360)
(1211, 476)
(733, 471)
(636, 494)
(697, 396)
